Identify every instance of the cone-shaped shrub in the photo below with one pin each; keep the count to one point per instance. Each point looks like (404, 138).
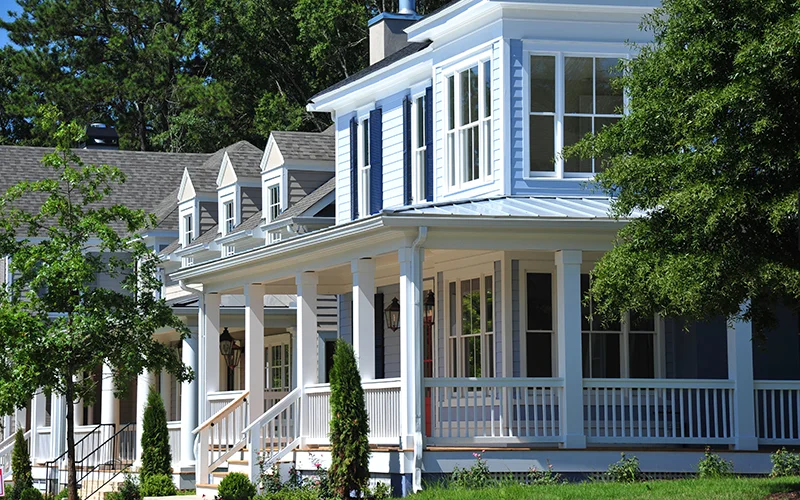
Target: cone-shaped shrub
(156, 454)
(349, 470)
(20, 465)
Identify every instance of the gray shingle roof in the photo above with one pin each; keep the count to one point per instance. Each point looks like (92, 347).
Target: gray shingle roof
(305, 145)
(308, 201)
(204, 175)
(246, 159)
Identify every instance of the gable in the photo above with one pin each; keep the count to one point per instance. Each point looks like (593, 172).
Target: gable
(186, 191)
(273, 158)
(227, 175)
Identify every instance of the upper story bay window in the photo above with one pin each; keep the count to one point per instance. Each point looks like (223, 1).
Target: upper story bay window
(468, 125)
(569, 97)
(363, 168)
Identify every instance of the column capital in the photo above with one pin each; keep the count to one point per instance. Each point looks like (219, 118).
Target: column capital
(364, 265)
(307, 278)
(569, 257)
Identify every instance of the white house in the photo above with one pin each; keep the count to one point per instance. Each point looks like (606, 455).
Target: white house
(451, 213)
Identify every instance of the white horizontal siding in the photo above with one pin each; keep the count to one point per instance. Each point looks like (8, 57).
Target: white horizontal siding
(392, 150)
(343, 168)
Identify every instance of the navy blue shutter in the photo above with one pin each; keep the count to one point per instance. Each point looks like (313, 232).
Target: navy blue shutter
(429, 144)
(407, 150)
(375, 161)
(353, 169)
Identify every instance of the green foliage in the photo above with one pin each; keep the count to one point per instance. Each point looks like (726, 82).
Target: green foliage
(157, 485)
(128, 490)
(381, 491)
(156, 454)
(31, 494)
(349, 425)
(21, 465)
(712, 466)
(236, 486)
(288, 494)
(64, 494)
(57, 274)
(707, 149)
(475, 477)
(785, 464)
(625, 471)
(544, 476)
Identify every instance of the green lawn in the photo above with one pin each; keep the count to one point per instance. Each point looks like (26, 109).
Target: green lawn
(707, 489)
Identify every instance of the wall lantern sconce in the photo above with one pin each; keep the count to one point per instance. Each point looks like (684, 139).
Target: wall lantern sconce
(429, 304)
(230, 349)
(392, 312)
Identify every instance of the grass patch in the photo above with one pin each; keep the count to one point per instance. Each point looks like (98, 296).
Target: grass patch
(706, 489)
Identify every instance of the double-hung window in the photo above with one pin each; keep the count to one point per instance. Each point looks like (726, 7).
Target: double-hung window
(363, 168)
(471, 335)
(418, 194)
(569, 97)
(230, 218)
(539, 329)
(468, 128)
(274, 202)
(188, 229)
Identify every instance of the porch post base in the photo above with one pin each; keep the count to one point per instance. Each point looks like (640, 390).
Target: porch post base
(574, 441)
(746, 443)
(407, 485)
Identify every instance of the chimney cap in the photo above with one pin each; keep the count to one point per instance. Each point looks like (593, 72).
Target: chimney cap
(386, 16)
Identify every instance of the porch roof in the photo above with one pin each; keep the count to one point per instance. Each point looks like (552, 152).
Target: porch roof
(561, 207)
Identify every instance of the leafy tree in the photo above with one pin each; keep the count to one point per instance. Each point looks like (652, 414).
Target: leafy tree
(21, 465)
(156, 453)
(349, 470)
(709, 151)
(57, 252)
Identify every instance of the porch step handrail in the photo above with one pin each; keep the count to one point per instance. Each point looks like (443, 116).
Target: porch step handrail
(7, 448)
(276, 433)
(223, 412)
(220, 436)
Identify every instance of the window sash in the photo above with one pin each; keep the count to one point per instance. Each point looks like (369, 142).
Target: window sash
(230, 219)
(471, 348)
(418, 148)
(274, 208)
(363, 169)
(188, 229)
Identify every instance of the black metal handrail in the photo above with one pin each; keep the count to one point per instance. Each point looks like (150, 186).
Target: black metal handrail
(121, 451)
(90, 441)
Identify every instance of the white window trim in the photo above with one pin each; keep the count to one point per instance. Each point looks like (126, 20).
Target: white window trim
(417, 150)
(187, 236)
(485, 175)
(228, 220)
(479, 272)
(363, 166)
(274, 203)
(558, 172)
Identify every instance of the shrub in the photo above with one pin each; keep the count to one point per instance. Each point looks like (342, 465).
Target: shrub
(156, 454)
(289, 494)
(236, 486)
(31, 494)
(64, 494)
(712, 466)
(625, 471)
(128, 490)
(270, 482)
(20, 465)
(349, 470)
(544, 476)
(381, 491)
(476, 477)
(158, 485)
(785, 463)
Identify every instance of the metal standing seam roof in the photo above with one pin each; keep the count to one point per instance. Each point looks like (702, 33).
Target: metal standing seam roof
(549, 207)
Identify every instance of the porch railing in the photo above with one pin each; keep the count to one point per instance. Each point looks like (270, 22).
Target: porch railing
(219, 400)
(668, 411)
(220, 437)
(777, 407)
(275, 433)
(382, 399)
(174, 431)
(273, 397)
(465, 411)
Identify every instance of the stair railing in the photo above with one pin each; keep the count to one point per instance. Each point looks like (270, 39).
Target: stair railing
(221, 437)
(274, 434)
(84, 447)
(7, 449)
(114, 456)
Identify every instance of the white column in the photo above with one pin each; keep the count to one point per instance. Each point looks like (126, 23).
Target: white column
(740, 370)
(38, 406)
(189, 407)
(165, 388)
(212, 331)
(144, 382)
(306, 339)
(570, 363)
(254, 348)
(364, 316)
(109, 404)
(77, 407)
(58, 425)
(410, 260)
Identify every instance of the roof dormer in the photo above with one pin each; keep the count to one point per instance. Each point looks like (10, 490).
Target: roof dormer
(238, 186)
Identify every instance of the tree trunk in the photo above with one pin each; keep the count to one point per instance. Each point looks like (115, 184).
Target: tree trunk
(72, 478)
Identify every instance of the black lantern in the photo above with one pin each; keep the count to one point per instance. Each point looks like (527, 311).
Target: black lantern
(429, 303)
(230, 349)
(393, 315)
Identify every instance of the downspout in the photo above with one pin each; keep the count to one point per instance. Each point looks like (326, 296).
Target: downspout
(417, 259)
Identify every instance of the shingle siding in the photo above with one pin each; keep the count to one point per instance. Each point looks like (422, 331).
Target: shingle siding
(304, 182)
(208, 216)
(251, 202)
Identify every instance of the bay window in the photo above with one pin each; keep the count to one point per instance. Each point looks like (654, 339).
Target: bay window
(471, 320)
(468, 128)
(569, 97)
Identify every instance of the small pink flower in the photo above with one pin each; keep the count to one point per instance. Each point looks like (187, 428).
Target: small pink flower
(550, 466)
(483, 451)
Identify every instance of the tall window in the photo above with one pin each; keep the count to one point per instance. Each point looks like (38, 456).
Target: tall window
(230, 219)
(188, 229)
(363, 169)
(471, 342)
(418, 193)
(539, 333)
(469, 124)
(274, 206)
(569, 98)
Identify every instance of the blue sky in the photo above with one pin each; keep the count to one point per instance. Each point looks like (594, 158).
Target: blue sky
(5, 6)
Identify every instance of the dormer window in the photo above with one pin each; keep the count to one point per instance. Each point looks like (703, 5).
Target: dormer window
(569, 98)
(230, 218)
(418, 193)
(273, 202)
(363, 168)
(188, 229)
(468, 127)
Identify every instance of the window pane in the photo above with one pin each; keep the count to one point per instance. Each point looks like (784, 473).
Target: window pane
(420, 123)
(473, 94)
(490, 355)
(489, 303)
(451, 87)
(608, 99)
(542, 147)
(470, 307)
(543, 84)
(578, 85)
(464, 97)
(574, 129)
(642, 352)
(454, 358)
(539, 354)
(451, 150)
(605, 355)
(540, 301)
(472, 356)
(599, 123)
(646, 323)
(586, 349)
(476, 152)
(487, 88)
(585, 310)
(453, 304)
(365, 131)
